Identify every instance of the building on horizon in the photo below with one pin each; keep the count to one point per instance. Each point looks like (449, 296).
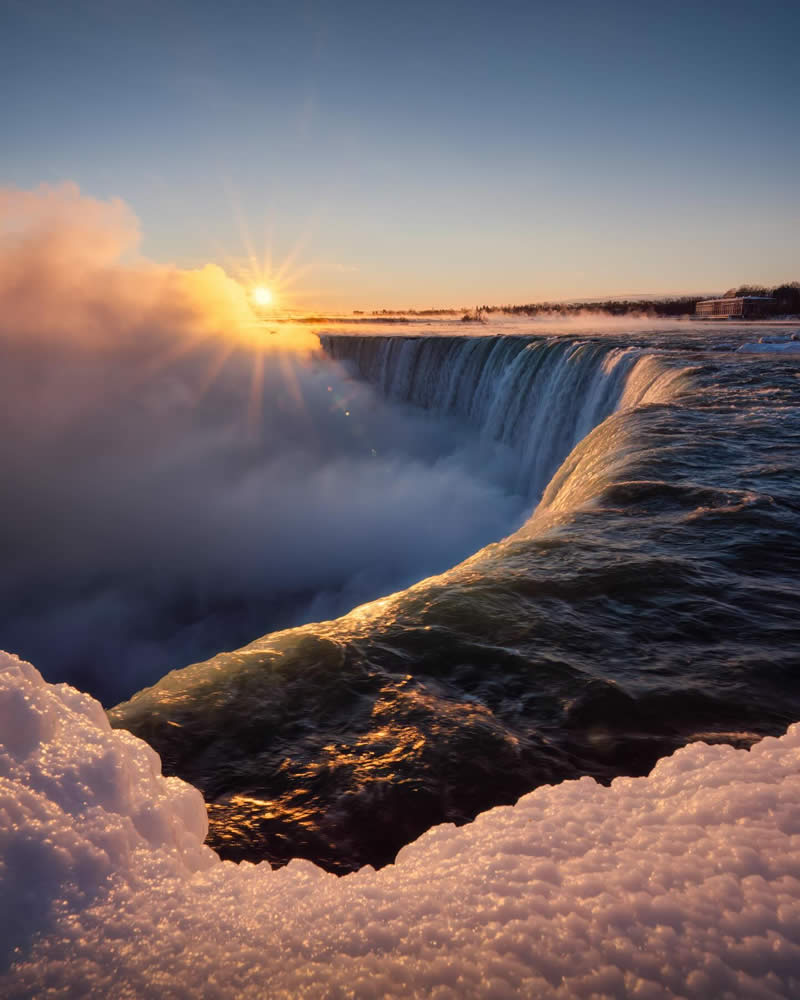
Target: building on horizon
(745, 306)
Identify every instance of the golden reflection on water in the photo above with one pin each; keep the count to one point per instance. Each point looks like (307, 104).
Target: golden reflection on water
(399, 750)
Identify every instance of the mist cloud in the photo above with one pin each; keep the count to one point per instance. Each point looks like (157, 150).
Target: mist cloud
(176, 478)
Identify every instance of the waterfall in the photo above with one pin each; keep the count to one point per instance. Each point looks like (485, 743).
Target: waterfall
(540, 397)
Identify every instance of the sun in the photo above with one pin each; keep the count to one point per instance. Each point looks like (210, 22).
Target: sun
(261, 296)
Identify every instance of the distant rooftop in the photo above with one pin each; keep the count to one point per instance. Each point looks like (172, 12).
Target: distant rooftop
(734, 305)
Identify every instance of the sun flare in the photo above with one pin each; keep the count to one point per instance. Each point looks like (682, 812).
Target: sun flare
(261, 296)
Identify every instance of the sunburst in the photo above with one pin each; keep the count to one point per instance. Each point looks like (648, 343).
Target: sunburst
(262, 296)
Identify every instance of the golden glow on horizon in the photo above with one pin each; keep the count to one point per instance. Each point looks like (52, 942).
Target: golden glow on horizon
(261, 296)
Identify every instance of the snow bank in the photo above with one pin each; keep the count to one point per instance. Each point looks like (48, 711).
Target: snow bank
(684, 883)
(772, 346)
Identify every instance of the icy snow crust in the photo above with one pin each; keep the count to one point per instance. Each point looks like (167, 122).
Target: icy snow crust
(686, 883)
(772, 347)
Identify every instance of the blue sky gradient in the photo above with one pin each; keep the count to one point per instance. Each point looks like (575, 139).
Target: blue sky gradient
(424, 153)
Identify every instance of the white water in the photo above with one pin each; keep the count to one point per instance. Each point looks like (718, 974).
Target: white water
(540, 397)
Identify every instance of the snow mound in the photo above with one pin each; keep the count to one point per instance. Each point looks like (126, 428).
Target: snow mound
(686, 883)
(772, 346)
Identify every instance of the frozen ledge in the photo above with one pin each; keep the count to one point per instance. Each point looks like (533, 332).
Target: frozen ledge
(686, 883)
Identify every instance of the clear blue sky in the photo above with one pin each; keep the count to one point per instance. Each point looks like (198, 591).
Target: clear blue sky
(425, 153)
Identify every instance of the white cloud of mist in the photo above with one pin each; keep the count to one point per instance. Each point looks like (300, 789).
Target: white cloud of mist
(176, 479)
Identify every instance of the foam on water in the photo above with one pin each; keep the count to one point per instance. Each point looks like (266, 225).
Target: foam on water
(685, 883)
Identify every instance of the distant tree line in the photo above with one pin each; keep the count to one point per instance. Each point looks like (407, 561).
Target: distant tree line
(412, 312)
(613, 307)
(786, 296)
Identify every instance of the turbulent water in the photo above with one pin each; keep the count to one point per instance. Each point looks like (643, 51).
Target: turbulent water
(649, 599)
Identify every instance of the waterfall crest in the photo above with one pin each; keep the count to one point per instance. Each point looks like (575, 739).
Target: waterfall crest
(538, 397)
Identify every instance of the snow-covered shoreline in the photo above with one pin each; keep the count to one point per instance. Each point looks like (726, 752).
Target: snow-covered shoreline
(685, 883)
